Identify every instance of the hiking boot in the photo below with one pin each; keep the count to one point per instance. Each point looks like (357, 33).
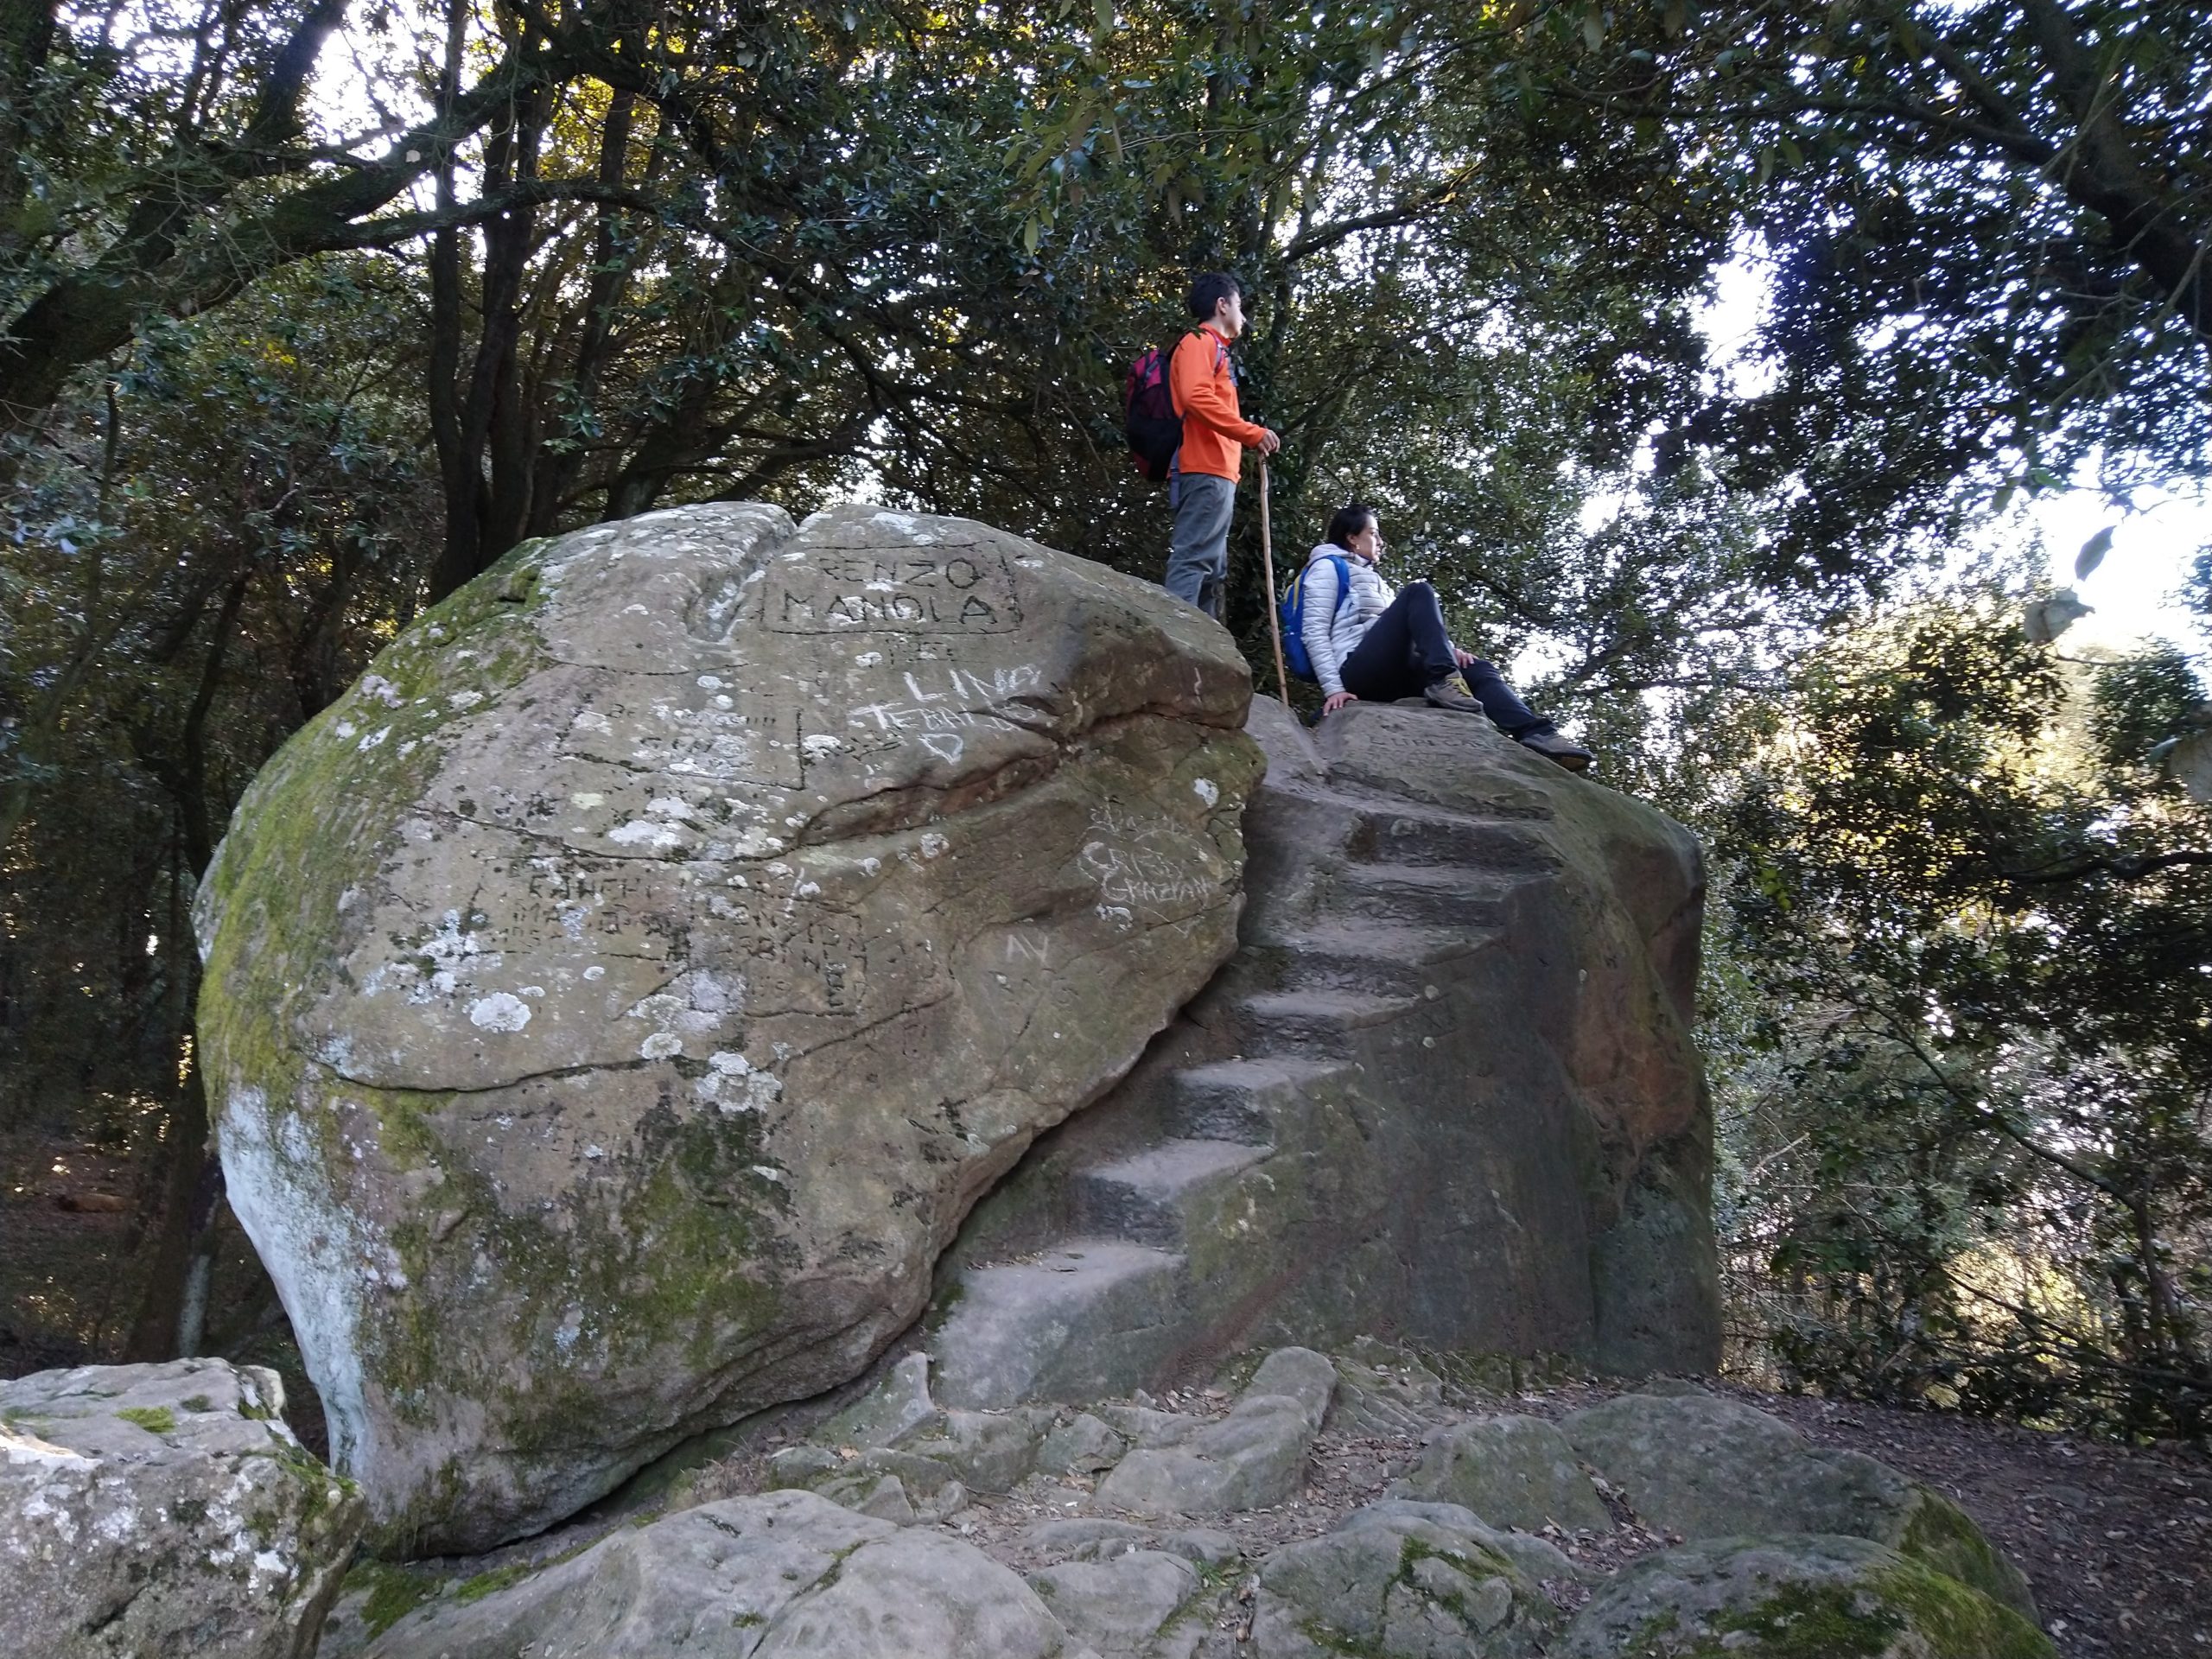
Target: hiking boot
(1569, 755)
(1451, 692)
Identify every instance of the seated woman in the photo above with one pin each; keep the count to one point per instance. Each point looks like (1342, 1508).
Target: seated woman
(1382, 646)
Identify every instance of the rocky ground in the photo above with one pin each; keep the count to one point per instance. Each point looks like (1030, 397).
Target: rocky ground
(2116, 1541)
(2112, 1540)
(165, 1508)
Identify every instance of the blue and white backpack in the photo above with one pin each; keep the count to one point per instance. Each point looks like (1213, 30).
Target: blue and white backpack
(1291, 610)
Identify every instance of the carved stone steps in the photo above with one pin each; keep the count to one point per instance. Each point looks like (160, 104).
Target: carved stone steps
(1380, 959)
(1403, 899)
(1423, 894)
(1088, 1321)
(1312, 1025)
(1147, 1197)
(1236, 1100)
(1387, 832)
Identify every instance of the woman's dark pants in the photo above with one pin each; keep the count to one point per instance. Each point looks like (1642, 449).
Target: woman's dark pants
(1406, 651)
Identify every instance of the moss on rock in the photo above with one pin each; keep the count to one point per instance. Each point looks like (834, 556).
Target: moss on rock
(390, 1593)
(1942, 1536)
(1957, 1620)
(1808, 1597)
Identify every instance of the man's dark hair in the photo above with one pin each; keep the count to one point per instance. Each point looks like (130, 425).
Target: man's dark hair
(1209, 291)
(1348, 521)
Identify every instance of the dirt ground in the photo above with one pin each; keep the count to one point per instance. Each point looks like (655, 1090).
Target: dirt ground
(66, 1229)
(71, 1274)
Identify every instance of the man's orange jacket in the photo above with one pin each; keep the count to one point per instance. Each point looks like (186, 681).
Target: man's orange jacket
(1204, 394)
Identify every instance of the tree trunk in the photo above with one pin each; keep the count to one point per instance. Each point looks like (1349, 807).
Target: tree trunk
(170, 1317)
(456, 560)
(482, 421)
(611, 262)
(188, 1179)
(2101, 170)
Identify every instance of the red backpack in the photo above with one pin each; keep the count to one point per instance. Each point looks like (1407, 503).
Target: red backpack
(1148, 417)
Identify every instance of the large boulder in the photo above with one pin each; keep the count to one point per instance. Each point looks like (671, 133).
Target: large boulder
(778, 1576)
(616, 999)
(1793, 1597)
(164, 1509)
(1705, 1467)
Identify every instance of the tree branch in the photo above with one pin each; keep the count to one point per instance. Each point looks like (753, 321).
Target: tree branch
(88, 312)
(1325, 236)
(405, 227)
(277, 106)
(2124, 867)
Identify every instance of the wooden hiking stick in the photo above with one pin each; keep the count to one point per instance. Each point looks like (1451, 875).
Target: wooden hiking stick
(1267, 565)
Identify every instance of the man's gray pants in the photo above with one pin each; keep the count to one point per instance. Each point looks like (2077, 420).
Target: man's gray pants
(1198, 552)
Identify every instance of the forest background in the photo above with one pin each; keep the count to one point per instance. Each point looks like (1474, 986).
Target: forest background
(311, 310)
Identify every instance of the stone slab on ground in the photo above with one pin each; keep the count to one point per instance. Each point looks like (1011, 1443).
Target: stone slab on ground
(1253, 1457)
(1512, 1471)
(1083, 1445)
(1382, 1390)
(1706, 1467)
(1836, 1598)
(991, 1452)
(777, 1576)
(1052, 1521)
(898, 1405)
(1049, 1520)
(1404, 1581)
(1097, 1538)
(1117, 1606)
(164, 1510)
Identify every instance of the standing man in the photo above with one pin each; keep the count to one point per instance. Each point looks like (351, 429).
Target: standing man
(1202, 383)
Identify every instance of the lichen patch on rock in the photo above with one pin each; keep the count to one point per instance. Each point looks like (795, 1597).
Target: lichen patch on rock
(164, 1509)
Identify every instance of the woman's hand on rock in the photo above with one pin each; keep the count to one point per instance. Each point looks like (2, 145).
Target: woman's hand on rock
(1335, 701)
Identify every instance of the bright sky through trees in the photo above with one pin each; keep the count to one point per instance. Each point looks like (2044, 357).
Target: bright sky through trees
(2136, 590)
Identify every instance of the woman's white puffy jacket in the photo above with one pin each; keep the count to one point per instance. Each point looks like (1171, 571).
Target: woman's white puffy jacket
(1330, 630)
